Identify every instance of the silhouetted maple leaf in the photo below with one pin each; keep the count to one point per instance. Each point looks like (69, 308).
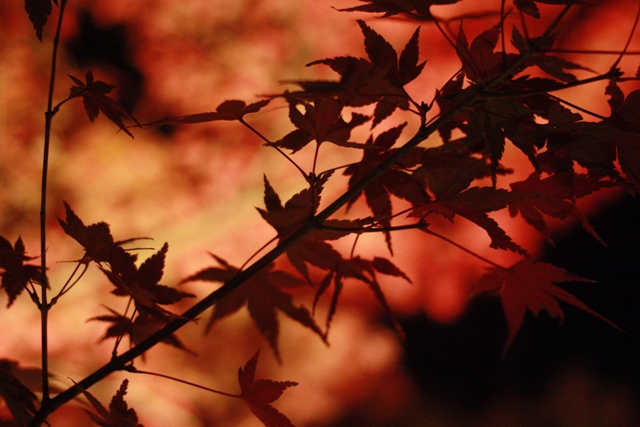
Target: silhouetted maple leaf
(227, 110)
(95, 99)
(451, 168)
(358, 268)
(15, 273)
(494, 120)
(624, 117)
(298, 209)
(552, 65)
(30, 376)
(379, 80)
(259, 394)
(322, 121)
(530, 8)
(141, 284)
(570, 140)
(262, 294)
(96, 240)
(479, 60)
(527, 6)
(530, 286)
(315, 251)
(142, 326)
(39, 11)
(20, 401)
(383, 56)
(118, 415)
(419, 9)
(553, 196)
(448, 175)
(473, 204)
(396, 182)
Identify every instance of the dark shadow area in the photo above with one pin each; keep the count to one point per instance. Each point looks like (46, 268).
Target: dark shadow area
(461, 365)
(107, 47)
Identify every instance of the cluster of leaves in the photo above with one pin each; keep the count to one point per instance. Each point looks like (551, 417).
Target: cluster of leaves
(508, 105)
(493, 100)
(139, 283)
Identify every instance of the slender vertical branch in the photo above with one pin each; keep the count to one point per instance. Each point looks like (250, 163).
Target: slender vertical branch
(44, 303)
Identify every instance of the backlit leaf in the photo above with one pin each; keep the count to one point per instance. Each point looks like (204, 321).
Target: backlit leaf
(259, 394)
(531, 286)
(95, 99)
(39, 11)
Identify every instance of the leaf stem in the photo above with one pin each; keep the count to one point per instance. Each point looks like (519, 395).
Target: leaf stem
(459, 246)
(68, 284)
(271, 144)
(155, 374)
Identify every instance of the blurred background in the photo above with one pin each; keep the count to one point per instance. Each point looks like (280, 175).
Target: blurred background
(197, 186)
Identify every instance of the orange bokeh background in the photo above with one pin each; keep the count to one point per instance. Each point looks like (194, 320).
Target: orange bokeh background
(196, 187)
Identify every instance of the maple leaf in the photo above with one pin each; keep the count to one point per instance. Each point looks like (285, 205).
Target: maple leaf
(96, 239)
(554, 196)
(361, 83)
(473, 204)
(379, 80)
(527, 6)
(141, 283)
(570, 140)
(360, 269)
(30, 376)
(95, 99)
(20, 400)
(419, 9)
(493, 120)
(448, 174)
(531, 286)
(624, 118)
(118, 415)
(321, 122)
(536, 49)
(16, 274)
(39, 11)
(530, 8)
(262, 294)
(259, 394)
(396, 182)
(297, 210)
(315, 251)
(383, 56)
(479, 61)
(142, 326)
(227, 110)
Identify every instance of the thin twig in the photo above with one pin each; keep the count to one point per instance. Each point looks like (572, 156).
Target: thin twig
(178, 380)
(626, 46)
(44, 304)
(271, 144)
(470, 252)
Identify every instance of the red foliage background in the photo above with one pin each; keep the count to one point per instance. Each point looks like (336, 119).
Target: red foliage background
(196, 187)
